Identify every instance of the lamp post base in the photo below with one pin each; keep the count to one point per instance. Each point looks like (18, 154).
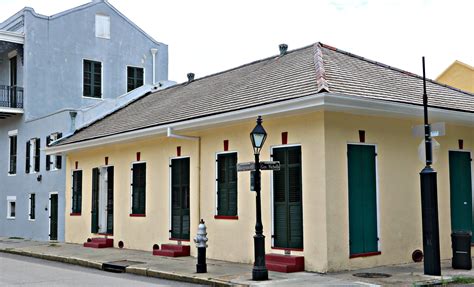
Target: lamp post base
(259, 273)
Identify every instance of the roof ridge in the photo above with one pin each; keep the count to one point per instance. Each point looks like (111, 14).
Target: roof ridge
(393, 68)
(322, 82)
(248, 64)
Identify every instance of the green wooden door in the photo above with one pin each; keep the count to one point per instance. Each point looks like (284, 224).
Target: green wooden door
(287, 199)
(110, 200)
(180, 198)
(363, 236)
(95, 201)
(461, 190)
(53, 217)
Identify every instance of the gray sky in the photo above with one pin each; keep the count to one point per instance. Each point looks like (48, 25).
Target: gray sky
(208, 36)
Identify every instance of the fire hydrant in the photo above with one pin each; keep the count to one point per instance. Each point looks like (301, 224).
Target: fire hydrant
(201, 244)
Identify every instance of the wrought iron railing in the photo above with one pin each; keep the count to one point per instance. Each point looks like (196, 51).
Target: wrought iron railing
(11, 97)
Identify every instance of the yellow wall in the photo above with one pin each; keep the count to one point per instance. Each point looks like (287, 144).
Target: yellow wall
(458, 75)
(398, 182)
(323, 137)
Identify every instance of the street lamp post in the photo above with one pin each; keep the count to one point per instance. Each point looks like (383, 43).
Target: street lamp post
(259, 271)
(429, 199)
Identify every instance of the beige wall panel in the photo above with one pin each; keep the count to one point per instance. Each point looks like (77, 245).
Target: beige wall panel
(399, 198)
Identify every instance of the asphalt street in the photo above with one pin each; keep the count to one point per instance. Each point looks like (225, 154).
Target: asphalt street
(26, 271)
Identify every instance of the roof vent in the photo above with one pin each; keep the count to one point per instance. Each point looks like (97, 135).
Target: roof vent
(283, 49)
(190, 77)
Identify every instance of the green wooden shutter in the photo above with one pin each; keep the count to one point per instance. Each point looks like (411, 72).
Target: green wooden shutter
(110, 200)
(95, 201)
(180, 215)
(77, 191)
(461, 191)
(32, 206)
(362, 199)
(27, 162)
(48, 158)
(227, 184)
(59, 158)
(37, 154)
(53, 221)
(13, 152)
(287, 198)
(138, 188)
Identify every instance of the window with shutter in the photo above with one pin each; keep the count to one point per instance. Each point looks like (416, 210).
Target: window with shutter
(32, 204)
(28, 158)
(287, 198)
(134, 78)
(95, 201)
(48, 157)
(37, 154)
(138, 188)
(92, 79)
(13, 153)
(227, 184)
(77, 191)
(102, 26)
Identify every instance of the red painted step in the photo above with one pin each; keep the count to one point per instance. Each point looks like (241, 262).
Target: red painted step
(173, 250)
(100, 243)
(284, 263)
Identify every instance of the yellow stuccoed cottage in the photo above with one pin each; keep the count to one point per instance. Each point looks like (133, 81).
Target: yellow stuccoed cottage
(347, 195)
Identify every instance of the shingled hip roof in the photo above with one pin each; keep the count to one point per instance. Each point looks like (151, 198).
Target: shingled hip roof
(300, 73)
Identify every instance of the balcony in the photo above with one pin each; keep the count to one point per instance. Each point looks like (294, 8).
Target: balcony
(11, 101)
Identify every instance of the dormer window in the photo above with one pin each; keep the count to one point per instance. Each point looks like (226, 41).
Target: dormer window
(102, 26)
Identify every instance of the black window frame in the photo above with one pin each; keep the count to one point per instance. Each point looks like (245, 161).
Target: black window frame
(13, 151)
(227, 203)
(138, 186)
(134, 81)
(90, 87)
(76, 196)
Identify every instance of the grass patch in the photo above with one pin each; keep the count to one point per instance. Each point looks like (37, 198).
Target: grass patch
(15, 237)
(462, 280)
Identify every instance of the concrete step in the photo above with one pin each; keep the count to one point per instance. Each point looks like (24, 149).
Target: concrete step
(100, 243)
(284, 263)
(173, 250)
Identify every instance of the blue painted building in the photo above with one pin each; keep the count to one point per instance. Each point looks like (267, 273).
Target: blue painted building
(58, 73)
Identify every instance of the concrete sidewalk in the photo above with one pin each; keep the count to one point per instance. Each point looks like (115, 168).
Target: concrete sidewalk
(220, 273)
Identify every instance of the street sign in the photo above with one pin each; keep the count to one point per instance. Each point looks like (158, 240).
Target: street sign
(270, 165)
(264, 165)
(246, 166)
(434, 150)
(437, 130)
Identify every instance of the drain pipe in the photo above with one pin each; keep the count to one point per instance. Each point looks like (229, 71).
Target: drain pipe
(171, 134)
(153, 54)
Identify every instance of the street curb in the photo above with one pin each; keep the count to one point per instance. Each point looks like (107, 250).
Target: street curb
(69, 260)
(179, 277)
(131, 270)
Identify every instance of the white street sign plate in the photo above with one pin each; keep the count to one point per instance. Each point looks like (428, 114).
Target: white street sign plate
(437, 130)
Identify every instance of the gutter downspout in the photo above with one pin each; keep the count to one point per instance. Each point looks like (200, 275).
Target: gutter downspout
(170, 134)
(153, 54)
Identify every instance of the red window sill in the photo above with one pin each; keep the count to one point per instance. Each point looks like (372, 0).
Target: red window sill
(74, 214)
(177, 239)
(365, 254)
(291, 249)
(229, 217)
(137, 215)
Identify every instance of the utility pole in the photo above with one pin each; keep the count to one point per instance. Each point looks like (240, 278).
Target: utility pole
(429, 199)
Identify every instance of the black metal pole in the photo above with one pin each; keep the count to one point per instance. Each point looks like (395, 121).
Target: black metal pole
(429, 199)
(201, 266)
(259, 271)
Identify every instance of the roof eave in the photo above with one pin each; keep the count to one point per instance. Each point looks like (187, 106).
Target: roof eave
(320, 101)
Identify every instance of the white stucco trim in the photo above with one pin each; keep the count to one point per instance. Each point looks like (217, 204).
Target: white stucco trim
(322, 101)
(12, 37)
